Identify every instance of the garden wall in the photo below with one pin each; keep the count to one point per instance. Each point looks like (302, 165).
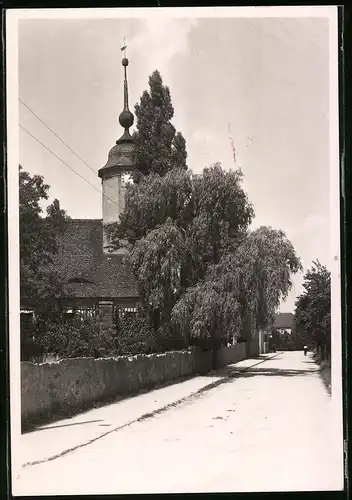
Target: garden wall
(63, 387)
(231, 354)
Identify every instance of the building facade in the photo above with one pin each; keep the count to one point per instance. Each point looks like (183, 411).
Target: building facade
(284, 322)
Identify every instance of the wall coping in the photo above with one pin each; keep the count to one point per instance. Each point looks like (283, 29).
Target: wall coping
(125, 357)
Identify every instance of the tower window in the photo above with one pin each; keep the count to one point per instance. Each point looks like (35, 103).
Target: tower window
(126, 178)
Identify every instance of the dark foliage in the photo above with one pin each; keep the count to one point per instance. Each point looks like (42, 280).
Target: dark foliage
(313, 309)
(38, 237)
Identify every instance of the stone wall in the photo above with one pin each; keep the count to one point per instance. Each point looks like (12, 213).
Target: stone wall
(63, 387)
(231, 354)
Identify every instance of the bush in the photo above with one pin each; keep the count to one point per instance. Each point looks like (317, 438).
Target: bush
(286, 341)
(135, 336)
(30, 350)
(325, 373)
(72, 341)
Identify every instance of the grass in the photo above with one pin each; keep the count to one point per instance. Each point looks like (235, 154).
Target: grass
(325, 371)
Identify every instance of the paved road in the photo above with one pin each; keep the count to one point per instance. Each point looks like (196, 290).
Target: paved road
(268, 429)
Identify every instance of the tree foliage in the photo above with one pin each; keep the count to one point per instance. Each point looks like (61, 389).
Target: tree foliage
(287, 341)
(159, 147)
(210, 210)
(82, 339)
(201, 273)
(178, 225)
(249, 281)
(38, 237)
(266, 259)
(313, 308)
(135, 335)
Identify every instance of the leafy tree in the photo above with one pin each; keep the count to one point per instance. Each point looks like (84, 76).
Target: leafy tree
(222, 213)
(201, 274)
(287, 341)
(247, 282)
(38, 237)
(265, 260)
(313, 308)
(154, 199)
(159, 147)
(157, 260)
(178, 225)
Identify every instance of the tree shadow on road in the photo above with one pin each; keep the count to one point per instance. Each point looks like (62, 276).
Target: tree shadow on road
(232, 372)
(48, 428)
(276, 373)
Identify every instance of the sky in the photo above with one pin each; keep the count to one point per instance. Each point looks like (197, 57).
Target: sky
(265, 81)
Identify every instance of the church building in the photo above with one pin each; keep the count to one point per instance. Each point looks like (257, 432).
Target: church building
(97, 281)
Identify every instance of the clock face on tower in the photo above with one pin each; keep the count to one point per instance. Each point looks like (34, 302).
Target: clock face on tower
(125, 178)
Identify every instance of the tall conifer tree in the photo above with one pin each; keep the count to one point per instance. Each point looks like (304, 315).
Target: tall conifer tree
(159, 147)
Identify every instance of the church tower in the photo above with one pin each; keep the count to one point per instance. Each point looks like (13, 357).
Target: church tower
(120, 164)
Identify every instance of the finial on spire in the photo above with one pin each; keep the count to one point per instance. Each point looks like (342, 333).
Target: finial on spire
(121, 157)
(124, 47)
(126, 118)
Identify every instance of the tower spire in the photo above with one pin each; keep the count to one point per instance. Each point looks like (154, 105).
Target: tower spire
(121, 163)
(121, 156)
(126, 117)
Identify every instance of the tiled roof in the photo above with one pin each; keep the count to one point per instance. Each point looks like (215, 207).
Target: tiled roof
(80, 258)
(284, 320)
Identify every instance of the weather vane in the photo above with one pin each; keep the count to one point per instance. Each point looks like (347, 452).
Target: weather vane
(123, 49)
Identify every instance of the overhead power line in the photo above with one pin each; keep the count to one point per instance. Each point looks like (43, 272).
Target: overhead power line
(64, 162)
(57, 136)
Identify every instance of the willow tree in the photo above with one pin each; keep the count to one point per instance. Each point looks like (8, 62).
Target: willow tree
(248, 282)
(199, 270)
(178, 225)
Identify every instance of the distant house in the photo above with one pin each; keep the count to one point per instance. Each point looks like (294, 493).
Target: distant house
(284, 322)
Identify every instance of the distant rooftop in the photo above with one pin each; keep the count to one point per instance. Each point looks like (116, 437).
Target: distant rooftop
(284, 320)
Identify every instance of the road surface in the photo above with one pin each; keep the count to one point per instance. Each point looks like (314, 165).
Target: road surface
(268, 429)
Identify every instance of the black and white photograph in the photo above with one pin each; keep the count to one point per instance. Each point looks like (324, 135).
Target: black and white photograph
(174, 250)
